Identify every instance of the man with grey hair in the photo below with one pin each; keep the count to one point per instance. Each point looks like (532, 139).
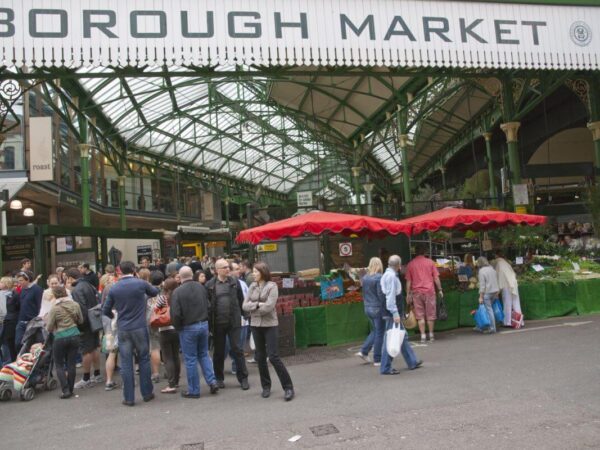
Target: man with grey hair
(392, 289)
(488, 290)
(189, 315)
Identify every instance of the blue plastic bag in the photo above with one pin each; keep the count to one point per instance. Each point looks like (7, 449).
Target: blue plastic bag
(498, 310)
(482, 320)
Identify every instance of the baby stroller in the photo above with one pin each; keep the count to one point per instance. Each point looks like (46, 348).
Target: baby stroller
(40, 373)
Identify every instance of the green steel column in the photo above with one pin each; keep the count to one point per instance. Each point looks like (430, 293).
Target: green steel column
(511, 128)
(122, 216)
(594, 124)
(226, 202)
(443, 172)
(84, 153)
(488, 149)
(249, 216)
(594, 127)
(368, 187)
(356, 175)
(403, 141)
(290, 254)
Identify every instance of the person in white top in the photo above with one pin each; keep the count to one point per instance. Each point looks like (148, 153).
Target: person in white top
(508, 285)
(48, 299)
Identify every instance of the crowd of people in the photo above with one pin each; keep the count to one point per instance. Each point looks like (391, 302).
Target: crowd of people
(172, 314)
(149, 316)
(385, 301)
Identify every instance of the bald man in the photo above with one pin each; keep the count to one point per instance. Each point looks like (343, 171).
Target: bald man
(189, 315)
(226, 298)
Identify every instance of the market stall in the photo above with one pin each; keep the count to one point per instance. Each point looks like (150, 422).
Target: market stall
(327, 308)
(554, 280)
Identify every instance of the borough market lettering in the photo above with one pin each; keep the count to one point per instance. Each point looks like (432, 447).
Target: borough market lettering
(252, 25)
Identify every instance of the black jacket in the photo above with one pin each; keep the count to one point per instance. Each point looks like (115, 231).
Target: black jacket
(189, 304)
(236, 299)
(87, 296)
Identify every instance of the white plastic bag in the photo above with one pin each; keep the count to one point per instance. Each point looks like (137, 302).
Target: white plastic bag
(393, 340)
(252, 346)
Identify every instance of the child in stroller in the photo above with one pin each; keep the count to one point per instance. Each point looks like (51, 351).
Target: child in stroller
(33, 365)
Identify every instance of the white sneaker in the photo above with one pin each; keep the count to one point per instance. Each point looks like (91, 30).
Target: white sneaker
(82, 384)
(365, 358)
(99, 379)
(377, 364)
(251, 361)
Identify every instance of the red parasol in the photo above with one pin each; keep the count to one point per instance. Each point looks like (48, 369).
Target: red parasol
(468, 219)
(319, 222)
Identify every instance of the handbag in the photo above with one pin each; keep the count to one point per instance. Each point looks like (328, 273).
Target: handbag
(442, 311)
(393, 340)
(498, 310)
(482, 319)
(160, 317)
(252, 344)
(516, 320)
(95, 318)
(410, 321)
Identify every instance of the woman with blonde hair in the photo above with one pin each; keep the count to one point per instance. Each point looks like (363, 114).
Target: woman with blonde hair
(374, 300)
(9, 304)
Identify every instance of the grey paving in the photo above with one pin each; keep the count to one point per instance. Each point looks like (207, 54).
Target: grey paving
(537, 388)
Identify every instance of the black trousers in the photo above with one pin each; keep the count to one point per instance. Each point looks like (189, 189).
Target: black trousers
(169, 346)
(219, 335)
(266, 343)
(65, 355)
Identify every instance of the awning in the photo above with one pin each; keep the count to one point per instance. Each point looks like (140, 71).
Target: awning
(401, 33)
(319, 222)
(467, 219)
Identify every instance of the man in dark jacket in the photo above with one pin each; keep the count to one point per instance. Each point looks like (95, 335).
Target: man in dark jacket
(86, 296)
(189, 315)
(128, 297)
(30, 302)
(226, 299)
(89, 275)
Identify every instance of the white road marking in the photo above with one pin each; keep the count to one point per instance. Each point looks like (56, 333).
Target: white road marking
(565, 324)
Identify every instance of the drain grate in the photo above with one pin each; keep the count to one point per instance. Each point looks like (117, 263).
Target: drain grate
(324, 430)
(194, 446)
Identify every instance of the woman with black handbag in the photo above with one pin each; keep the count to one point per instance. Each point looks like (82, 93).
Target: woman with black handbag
(260, 303)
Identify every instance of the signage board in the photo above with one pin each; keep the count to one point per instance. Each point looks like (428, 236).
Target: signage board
(40, 149)
(521, 194)
(345, 248)
(394, 33)
(305, 199)
(144, 251)
(266, 248)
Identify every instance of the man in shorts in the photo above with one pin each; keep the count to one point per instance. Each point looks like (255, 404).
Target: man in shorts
(421, 280)
(84, 293)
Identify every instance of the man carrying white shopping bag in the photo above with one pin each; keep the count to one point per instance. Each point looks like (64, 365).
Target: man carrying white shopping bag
(392, 288)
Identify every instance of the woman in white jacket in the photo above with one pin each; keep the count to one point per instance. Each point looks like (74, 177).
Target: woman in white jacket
(507, 282)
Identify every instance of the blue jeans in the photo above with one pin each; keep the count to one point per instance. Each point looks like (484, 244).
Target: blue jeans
(487, 301)
(138, 342)
(375, 338)
(194, 345)
(19, 332)
(244, 333)
(407, 352)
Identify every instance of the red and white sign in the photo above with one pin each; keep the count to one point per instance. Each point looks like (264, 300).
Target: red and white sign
(345, 248)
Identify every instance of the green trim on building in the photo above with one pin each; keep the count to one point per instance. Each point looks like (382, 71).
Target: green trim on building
(545, 2)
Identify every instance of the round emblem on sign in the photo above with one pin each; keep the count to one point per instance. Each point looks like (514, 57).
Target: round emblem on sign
(346, 249)
(581, 33)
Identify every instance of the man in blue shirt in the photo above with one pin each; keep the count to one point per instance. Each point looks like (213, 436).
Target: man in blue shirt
(30, 302)
(392, 288)
(128, 298)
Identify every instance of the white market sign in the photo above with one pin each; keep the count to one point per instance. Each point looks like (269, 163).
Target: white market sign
(410, 33)
(305, 199)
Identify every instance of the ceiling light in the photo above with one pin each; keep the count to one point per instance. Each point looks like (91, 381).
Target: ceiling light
(28, 212)
(16, 204)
